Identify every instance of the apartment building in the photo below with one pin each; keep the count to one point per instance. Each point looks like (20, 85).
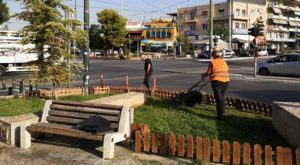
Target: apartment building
(194, 21)
(283, 24)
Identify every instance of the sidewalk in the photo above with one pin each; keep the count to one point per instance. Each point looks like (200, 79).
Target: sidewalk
(68, 151)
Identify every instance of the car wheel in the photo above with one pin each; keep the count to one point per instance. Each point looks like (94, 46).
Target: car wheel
(264, 71)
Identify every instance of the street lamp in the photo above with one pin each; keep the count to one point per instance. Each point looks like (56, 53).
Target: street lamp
(215, 41)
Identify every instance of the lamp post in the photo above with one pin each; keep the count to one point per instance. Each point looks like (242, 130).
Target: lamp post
(86, 75)
(210, 27)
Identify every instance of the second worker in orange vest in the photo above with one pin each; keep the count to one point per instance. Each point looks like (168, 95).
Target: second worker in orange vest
(219, 78)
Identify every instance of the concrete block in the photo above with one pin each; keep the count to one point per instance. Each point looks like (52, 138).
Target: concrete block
(286, 121)
(10, 127)
(25, 137)
(131, 99)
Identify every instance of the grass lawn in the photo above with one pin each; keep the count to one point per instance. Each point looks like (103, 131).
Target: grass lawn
(13, 107)
(164, 116)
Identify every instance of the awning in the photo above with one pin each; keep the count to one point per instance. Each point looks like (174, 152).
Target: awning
(284, 22)
(281, 22)
(297, 13)
(277, 11)
(276, 21)
(291, 23)
(242, 38)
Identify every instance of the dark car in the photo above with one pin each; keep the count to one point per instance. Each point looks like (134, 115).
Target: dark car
(203, 55)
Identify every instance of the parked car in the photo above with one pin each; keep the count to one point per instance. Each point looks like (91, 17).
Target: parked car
(203, 54)
(288, 64)
(228, 53)
(263, 52)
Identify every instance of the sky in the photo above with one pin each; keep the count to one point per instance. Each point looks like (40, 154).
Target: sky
(142, 10)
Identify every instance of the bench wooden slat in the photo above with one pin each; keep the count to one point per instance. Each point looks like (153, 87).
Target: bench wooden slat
(84, 109)
(105, 106)
(63, 130)
(72, 121)
(79, 115)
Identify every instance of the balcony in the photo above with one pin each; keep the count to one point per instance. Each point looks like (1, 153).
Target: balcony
(273, 16)
(273, 4)
(273, 28)
(188, 20)
(283, 17)
(240, 17)
(285, 29)
(292, 29)
(221, 18)
(292, 18)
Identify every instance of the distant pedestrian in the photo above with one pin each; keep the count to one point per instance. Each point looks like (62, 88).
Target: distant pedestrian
(223, 53)
(148, 67)
(219, 78)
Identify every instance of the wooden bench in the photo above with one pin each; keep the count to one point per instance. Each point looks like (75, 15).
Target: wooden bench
(63, 117)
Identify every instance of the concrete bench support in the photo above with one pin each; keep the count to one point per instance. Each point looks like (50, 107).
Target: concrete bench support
(286, 121)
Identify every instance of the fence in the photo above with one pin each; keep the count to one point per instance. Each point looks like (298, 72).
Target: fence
(205, 150)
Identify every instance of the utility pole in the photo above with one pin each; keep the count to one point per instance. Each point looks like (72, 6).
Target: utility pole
(230, 24)
(74, 27)
(210, 27)
(86, 75)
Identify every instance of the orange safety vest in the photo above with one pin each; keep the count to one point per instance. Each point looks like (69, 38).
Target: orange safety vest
(219, 70)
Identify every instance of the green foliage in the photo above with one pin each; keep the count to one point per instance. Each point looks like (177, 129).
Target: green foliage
(51, 35)
(96, 41)
(186, 46)
(113, 26)
(4, 12)
(164, 116)
(148, 47)
(222, 32)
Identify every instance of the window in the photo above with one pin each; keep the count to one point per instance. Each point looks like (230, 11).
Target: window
(243, 25)
(204, 26)
(204, 13)
(244, 13)
(148, 34)
(237, 12)
(192, 27)
(192, 15)
(158, 34)
(222, 12)
(181, 16)
(293, 58)
(169, 34)
(164, 34)
(237, 25)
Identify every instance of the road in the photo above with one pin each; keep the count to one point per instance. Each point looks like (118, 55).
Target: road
(182, 74)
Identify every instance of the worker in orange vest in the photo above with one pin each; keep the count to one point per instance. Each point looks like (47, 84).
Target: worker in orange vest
(219, 78)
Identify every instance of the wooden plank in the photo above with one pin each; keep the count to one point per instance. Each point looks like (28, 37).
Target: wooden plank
(172, 144)
(216, 151)
(199, 151)
(84, 109)
(81, 115)
(236, 157)
(163, 145)
(181, 145)
(72, 121)
(287, 156)
(154, 143)
(298, 156)
(257, 154)
(146, 140)
(138, 141)
(268, 155)
(62, 130)
(225, 152)
(190, 147)
(246, 154)
(279, 155)
(73, 103)
(206, 149)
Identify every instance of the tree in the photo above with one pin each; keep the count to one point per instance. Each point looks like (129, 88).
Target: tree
(51, 35)
(96, 41)
(113, 27)
(222, 32)
(186, 45)
(4, 12)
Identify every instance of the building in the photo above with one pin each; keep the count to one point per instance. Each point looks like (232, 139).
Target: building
(194, 21)
(283, 21)
(135, 31)
(159, 34)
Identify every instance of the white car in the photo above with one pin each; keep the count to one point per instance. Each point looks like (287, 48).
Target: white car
(228, 53)
(288, 64)
(263, 52)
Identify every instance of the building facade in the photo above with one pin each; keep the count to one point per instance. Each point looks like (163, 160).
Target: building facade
(281, 22)
(160, 34)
